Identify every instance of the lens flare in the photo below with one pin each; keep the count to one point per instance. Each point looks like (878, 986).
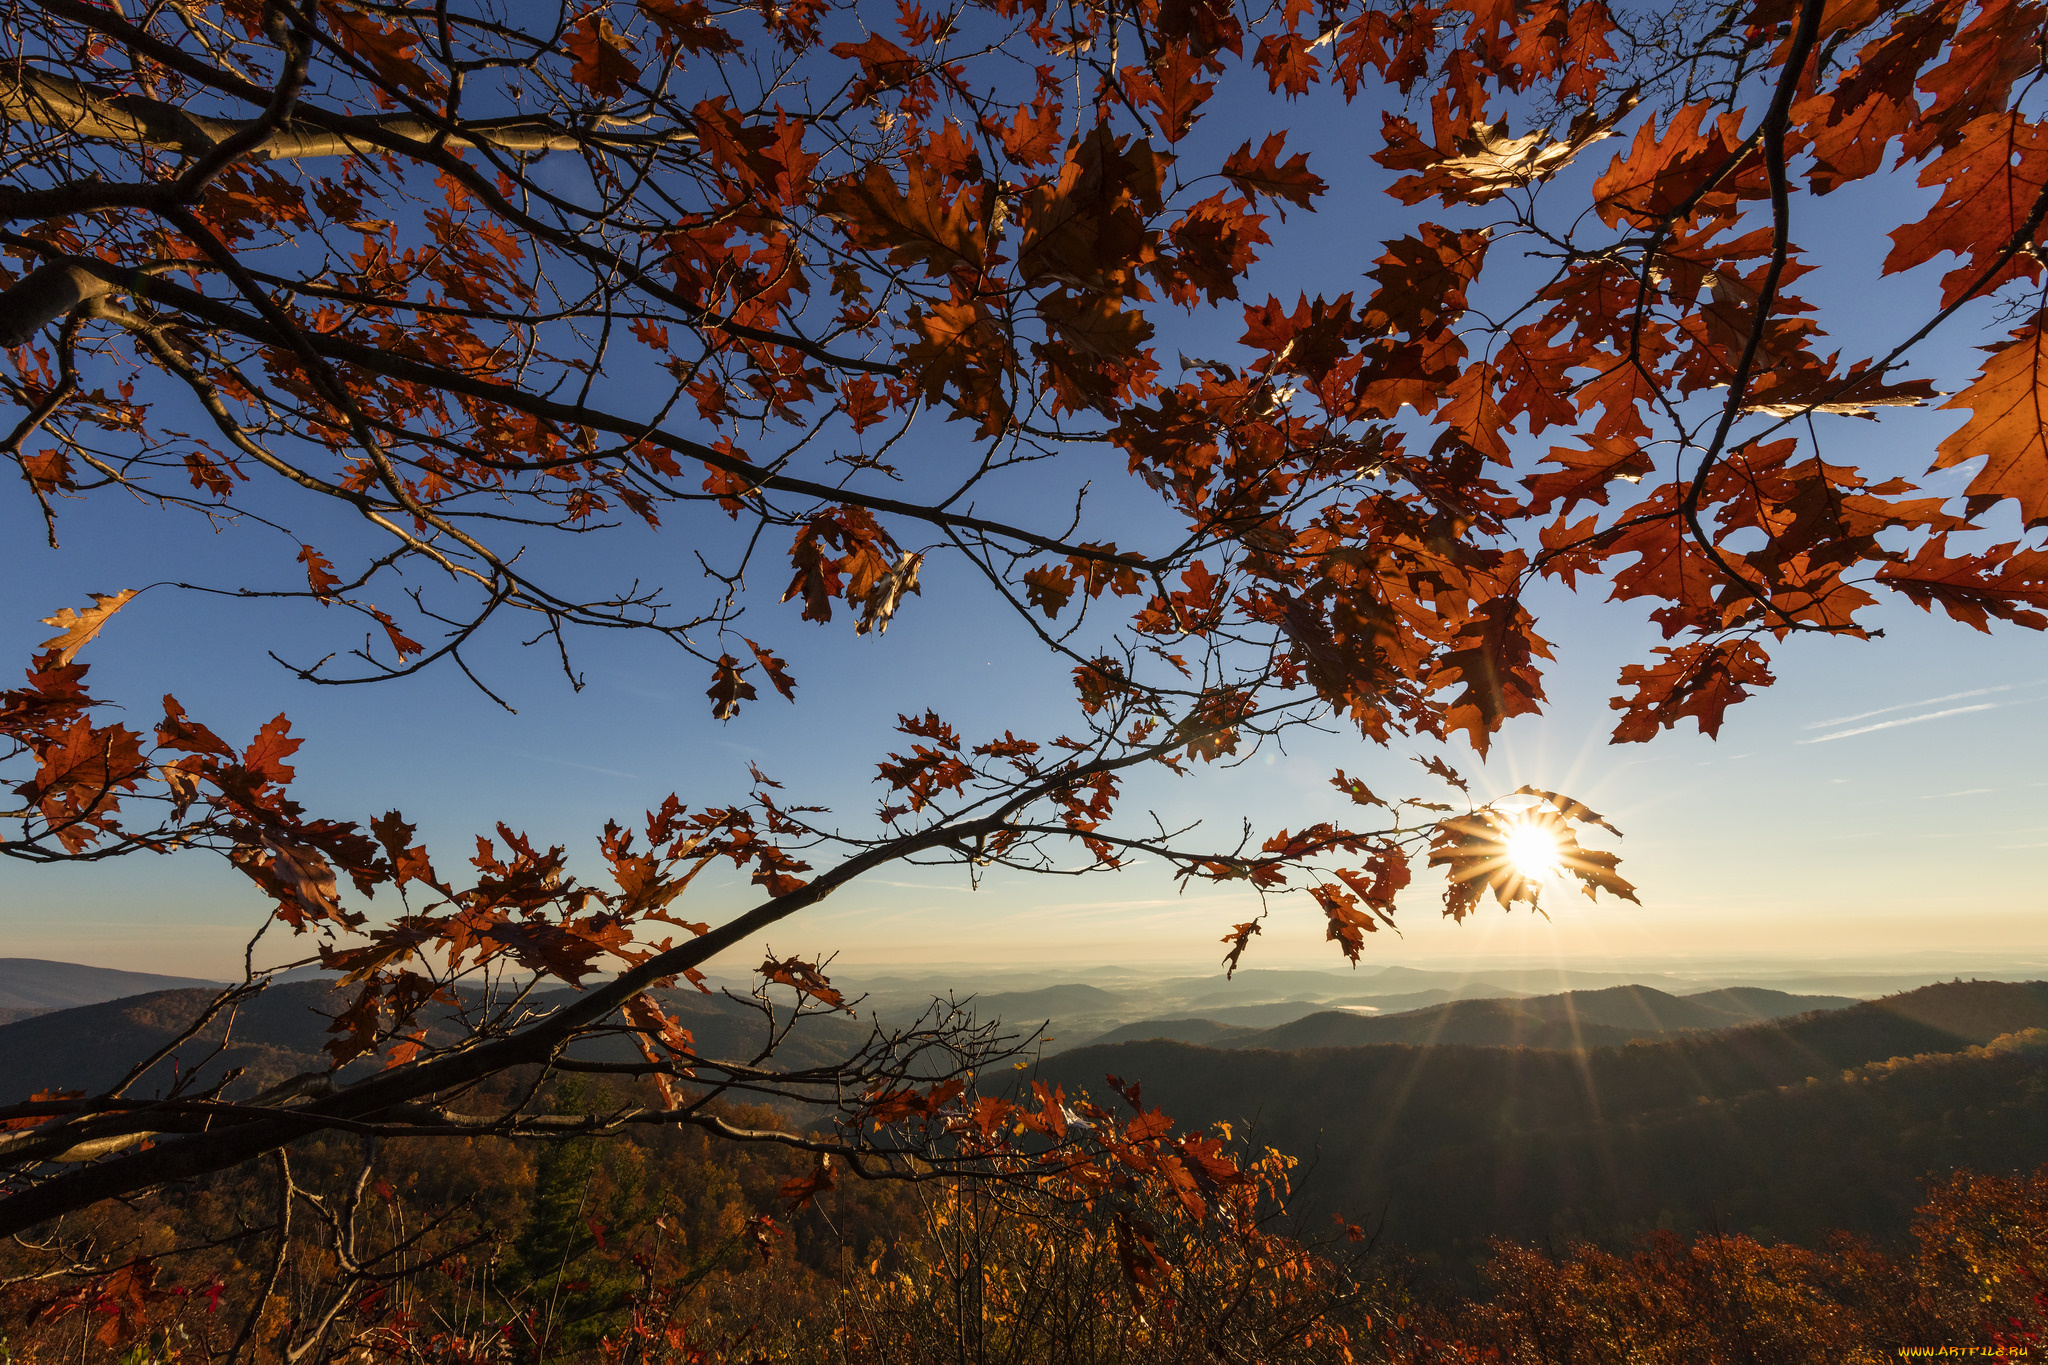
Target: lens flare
(1533, 850)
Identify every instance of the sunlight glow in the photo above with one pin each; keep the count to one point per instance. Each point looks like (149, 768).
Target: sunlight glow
(1533, 849)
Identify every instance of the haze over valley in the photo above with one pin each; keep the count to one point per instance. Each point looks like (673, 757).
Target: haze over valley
(1436, 1108)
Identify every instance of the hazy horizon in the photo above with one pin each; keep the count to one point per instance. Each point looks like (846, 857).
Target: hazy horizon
(1882, 973)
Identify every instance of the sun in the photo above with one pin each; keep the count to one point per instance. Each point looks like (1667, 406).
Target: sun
(1532, 848)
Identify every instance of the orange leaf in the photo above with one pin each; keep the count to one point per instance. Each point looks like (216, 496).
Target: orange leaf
(1697, 680)
(319, 572)
(1266, 174)
(79, 627)
(1991, 181)
(47, 471)
(776, 669)
(2008, 425)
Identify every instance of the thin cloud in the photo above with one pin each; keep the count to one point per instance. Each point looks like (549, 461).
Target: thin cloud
(1909, 720)
(1907, 706)
(561, 762)
(1967, 791)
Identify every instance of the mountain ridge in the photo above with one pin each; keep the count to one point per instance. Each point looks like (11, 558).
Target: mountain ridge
(1608, 1016)
(33, 983)
(1782, 1128)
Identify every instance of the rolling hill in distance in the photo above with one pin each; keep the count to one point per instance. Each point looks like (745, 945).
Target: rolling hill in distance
(30, 986)
(281, 1033)
(1782, 1128)
(1435, 1117)
(282, 1030)
(1597, 1018)
(1081, 1007)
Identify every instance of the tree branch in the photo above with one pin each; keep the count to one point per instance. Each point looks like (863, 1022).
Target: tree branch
(52, 101)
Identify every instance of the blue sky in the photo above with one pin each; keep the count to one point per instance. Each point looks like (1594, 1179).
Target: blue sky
(1885, 798)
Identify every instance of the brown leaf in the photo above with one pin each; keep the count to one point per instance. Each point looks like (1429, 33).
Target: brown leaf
(1048, 587)
(923, 223)
(1347, 925)
(1239, 938)
(37, 1120)
(601, 65)
(806, 979)
(879, 607)
(1033, 135)
(2007, 401)
(800, 1190)
(320, 575)
(306, 876)
(1266, 174)
(652, 1025)
(355, 1028)
(2004, 583)
(728, 689)
(1664, 170)
(1359, 793)
(1170, 88)
(409, 862)
(48, 471)
(1494, 668)
(776, 668)
(686, 24)
(1586, 474)
(79, 627)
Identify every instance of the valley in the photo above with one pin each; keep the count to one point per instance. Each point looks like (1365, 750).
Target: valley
(1431, 1116)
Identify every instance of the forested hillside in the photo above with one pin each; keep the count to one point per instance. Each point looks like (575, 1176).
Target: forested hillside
(1597, 1018)
(29, 983)
(1787, 1129)
(283, 1031)
(1575, 1018)
(487, 1250)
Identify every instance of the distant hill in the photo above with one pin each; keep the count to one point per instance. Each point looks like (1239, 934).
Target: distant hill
(91, 1047)
(1761, 1002)
(282, 1032)
(1595, 1018)
(1753, 1129)
(1082, 1007)
(1263, 984)
(1786, 1127)
(1419, 1000)
(1976, 1010)
(1205, 1031)
(737, 1031)
(1050, 1002)
(1255, 984)
(1258, 1016)
(31, 983)
(1572, 1019)
(1214, 1023)
(1470, 1023)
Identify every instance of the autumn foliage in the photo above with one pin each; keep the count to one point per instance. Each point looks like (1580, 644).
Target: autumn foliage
(675, 1247)
(845, 298)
